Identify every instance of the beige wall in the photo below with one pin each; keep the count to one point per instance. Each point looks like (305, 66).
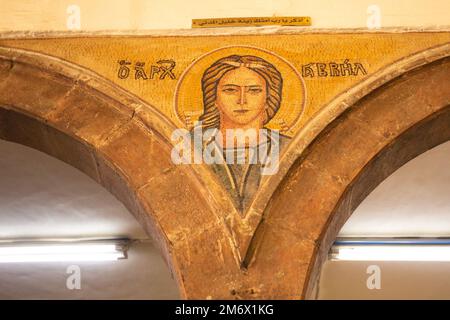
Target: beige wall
(155, 14)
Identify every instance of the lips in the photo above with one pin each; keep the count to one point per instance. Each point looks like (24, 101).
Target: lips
(241, 111)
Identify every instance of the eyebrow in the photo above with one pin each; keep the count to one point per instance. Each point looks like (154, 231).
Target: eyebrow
(236, 85)
(254, 86)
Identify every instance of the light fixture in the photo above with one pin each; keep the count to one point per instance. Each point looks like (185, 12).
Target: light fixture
(74, 251)
(412, 249)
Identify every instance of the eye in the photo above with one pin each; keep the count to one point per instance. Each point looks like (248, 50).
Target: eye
(255, 90)
(230, 90)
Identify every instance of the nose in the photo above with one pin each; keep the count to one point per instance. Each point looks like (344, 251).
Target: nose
(242, 96)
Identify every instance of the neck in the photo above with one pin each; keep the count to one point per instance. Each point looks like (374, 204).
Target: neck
(255, 124)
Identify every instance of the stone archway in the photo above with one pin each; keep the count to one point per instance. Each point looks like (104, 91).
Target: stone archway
(124, 144)
(379, 133)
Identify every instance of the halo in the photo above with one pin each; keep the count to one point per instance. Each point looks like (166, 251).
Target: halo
(188, 98)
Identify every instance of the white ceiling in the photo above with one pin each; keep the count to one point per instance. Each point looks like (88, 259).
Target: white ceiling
(44, 197)
(413, 201)
(41, 197)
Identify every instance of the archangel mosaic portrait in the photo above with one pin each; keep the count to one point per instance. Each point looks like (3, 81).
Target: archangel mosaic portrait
(242, 92)
(240, 96)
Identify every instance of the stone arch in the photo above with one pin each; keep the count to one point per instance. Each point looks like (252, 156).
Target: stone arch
(344, 163)
(123, 144)
(329, 112)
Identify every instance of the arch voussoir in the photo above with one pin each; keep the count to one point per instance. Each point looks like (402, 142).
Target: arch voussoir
(123, 144)
(408, 115)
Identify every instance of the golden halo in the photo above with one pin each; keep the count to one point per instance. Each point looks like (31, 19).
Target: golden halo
(188, 98)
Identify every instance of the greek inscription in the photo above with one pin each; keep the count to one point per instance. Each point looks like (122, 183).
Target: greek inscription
(333, 69)
(161, 70)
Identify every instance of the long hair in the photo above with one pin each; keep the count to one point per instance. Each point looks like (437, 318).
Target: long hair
(211, 77)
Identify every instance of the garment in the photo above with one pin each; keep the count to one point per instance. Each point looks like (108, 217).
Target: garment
(242, 175)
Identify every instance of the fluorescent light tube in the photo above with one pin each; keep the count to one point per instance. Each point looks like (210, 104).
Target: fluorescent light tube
(60, 252)
(392, 253)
